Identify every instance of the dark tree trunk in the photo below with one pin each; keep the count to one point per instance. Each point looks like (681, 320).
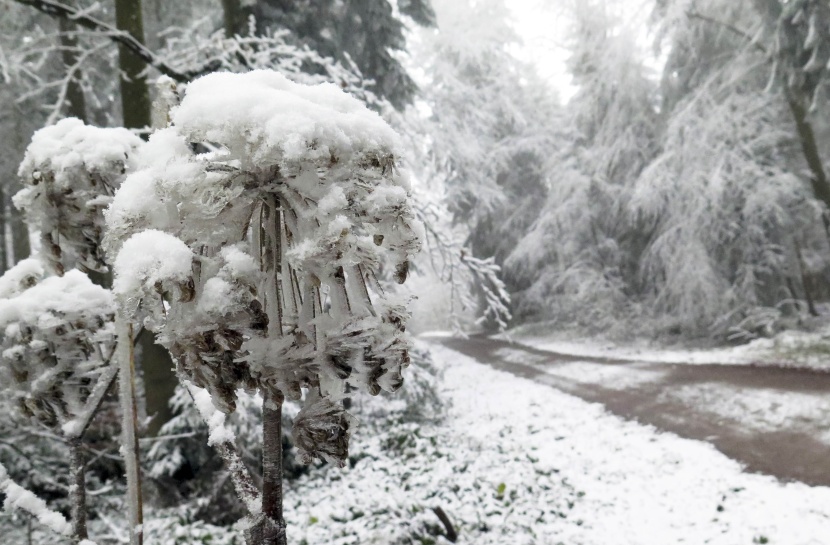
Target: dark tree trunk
(4, 258)
(159, 379)
(235, 17)
(135, 93)
(809, 146)
(20, 236)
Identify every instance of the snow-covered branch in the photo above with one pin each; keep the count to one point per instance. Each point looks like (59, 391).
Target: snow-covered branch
(84, 19)
(18, 497)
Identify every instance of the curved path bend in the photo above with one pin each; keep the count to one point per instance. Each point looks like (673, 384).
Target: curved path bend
(774, 420)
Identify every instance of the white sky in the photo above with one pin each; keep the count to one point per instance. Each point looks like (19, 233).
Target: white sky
(542, 24)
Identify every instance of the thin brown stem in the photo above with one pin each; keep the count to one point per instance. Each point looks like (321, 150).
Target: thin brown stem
(77, 490)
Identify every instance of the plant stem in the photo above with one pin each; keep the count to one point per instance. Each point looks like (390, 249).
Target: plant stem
(272, 469)
(126, 375)
(77, 490)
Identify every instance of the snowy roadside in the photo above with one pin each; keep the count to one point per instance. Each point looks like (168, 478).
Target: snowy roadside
(518, 462)
(789, 348)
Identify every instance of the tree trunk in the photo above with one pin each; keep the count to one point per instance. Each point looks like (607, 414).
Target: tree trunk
(235, 17)
(159, 379)
(77, 490)
(135, 93)
(4, 254)
(20, 236)
(807, 138)
(272, 470)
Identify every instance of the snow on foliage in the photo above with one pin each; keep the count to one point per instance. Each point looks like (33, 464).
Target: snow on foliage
(57, 338)
(70, 172)
(288, 221)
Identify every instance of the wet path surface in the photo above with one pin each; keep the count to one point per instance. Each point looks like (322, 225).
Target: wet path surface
(774, 420)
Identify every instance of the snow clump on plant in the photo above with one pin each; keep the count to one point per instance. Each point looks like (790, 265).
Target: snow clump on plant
(70, 172)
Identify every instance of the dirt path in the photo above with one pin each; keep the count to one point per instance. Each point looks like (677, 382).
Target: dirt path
(774, 420)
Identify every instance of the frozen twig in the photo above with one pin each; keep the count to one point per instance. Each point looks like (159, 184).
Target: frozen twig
(18, 497)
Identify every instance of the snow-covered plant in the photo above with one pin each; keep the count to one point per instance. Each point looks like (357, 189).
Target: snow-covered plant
(57, 343)
(257, 264)
(70, 173)
(58, 333)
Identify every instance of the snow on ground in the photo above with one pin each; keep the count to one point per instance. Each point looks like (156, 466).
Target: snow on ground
(795, 348)
(521, 463)
(586, 372)
(745, 354)
(759, 409)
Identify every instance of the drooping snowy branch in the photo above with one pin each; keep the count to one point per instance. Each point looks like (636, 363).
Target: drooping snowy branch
(18, 497)
(222, 437)
(475, 284)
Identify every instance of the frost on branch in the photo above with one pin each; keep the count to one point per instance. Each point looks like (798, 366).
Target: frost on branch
(288, 223)
(57, 336)
(70, 173)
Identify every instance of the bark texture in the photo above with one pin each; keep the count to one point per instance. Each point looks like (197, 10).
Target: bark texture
(272, 470)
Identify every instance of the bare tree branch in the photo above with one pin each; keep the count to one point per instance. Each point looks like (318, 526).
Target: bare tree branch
(82, 19)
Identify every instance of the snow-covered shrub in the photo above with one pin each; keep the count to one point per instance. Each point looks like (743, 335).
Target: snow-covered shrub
(257, 264)
(70, 173)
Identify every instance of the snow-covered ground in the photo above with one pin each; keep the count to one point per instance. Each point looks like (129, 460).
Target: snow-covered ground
(760, 410)
(518, 462)
(794, 348)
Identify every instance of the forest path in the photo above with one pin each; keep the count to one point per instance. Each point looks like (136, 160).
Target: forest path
(774, 420)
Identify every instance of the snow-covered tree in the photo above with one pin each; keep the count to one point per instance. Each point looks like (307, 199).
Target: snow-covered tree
(258, 262)
(494, 183)
(578, 261)
(738, 135)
